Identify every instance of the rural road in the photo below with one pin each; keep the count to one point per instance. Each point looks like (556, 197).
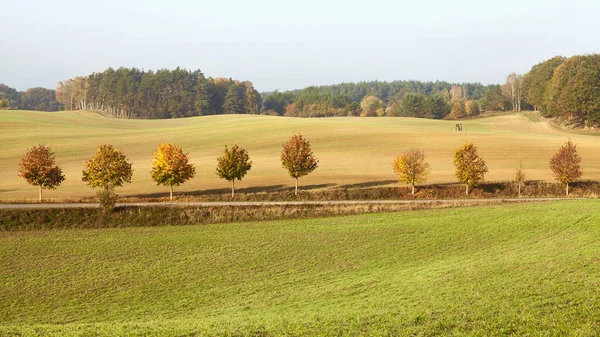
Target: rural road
(279, 203)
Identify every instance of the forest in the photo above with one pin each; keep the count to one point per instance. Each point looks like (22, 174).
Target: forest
(557, 87)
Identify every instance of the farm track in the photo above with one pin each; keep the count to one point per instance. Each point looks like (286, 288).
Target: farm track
(284, 203)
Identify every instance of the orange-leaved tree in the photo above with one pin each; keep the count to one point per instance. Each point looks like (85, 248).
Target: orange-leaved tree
(566, 164)
(107, 169)
(233, 164)
(39, 168)
(171, 167)
(411, 168)
(470, 168)
(297, 158)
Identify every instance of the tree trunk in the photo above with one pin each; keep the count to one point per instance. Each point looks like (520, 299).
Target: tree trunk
(296, 186)
(40, 193)
(232, 188)
(413, 188)
(171, 191)
(567, 189)
(519, 189)
(467, 186)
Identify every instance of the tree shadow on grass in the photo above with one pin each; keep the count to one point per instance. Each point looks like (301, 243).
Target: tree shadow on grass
(245, 190)
(369, 184)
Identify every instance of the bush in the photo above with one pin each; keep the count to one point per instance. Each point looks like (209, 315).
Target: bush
(107, 199)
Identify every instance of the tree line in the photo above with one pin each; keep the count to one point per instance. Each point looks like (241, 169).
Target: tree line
(558, 87)
(109, 168)
(135, 93)
(40, 99)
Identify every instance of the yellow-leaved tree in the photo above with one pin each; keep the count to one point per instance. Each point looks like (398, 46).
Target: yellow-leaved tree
(171, 167)
(233, 164)
(107, 169)
(411, 168)
(470, 167)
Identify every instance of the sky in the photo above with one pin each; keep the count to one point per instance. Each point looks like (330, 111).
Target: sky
(282, 45)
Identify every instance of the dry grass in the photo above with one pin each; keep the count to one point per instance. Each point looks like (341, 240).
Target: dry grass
(352, 151)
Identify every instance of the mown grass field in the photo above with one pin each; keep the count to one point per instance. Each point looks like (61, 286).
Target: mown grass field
(352, 151)
(529, 269)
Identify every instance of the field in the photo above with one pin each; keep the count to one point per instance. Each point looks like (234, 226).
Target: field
(352, 151)
(528, 269)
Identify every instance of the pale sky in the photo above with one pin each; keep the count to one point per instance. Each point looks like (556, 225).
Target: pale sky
(292, 44)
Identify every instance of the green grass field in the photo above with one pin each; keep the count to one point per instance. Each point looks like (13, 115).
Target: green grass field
(529, 269)
(351, 150)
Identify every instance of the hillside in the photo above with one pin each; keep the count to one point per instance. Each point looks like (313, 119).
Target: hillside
(514, 269)
(351, 150)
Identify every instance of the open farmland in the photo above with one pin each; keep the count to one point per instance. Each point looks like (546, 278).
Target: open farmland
(351, 150)
(529, 269)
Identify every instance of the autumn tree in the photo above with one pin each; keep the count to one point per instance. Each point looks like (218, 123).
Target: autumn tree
(107, 169)
(519, 177)
(297, 158)
(566, 164)
(233, 164)
(171, 167)
(470, 168)
(371, 106)
(513, 90)
(411, 168)
(39, 168)
(471, 108)
(458, 110)
(538, 80)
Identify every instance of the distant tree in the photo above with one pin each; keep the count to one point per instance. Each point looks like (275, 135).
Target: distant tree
(234, 103)
(65, 94)
(470, 168)
(10, 97)
(457, 93)
(107, 169)
(252, 100)
(493, 100)
(471, 108)
(538, 80)
(513, 90)
(233, 164)
(277, 101)
(171, 167)
(411, 168)
(370, 106)
(566, 164)
(458, 110)
(39, 168)
(411, 105)
(575, 89)
(519, 178)
(40, 99)
(297, 158)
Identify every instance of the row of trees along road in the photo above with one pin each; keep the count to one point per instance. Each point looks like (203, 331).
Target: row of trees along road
(411, 167)
(109, 167)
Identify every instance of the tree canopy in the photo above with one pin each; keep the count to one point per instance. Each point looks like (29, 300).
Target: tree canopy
(107, 168)
(470, 167)
(297, 158)
(566, 164)
(39, 168)
(171, 167)
(233, 164)
(411, 168)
